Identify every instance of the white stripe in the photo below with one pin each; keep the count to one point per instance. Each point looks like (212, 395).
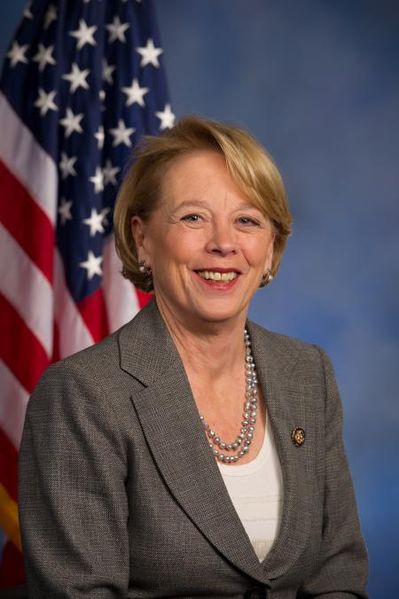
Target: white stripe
(12, 406)
(73, 332)
(120, 298)
(27, 160)
(27, 289)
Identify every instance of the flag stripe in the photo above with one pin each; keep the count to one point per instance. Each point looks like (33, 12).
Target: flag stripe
(13, 405)
(71, 111)
(27, 160)
(27, 289)
(94, 314)
(21, 215)
(19, 348)
(73, 332)
(56, 344)
(120, 297)
(9, 517)
(8, 465)
(11, 567)
(143, 298)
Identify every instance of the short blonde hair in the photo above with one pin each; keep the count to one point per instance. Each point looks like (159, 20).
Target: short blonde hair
(247, 161)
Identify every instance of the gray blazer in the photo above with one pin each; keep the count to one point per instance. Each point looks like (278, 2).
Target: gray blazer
(121, 497)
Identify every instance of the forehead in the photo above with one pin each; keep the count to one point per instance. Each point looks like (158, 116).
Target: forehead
(197, 164)
(197, 172)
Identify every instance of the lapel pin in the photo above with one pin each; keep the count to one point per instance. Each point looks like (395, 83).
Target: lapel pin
(298, 436)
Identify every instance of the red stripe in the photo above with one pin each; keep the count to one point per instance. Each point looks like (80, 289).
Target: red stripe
(56, 344)
(19, 348)
(11, 568)
(8, 465)
(94, 314)
(26, 222)
(143, 297)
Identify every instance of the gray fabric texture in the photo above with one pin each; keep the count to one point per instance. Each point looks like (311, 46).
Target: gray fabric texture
(120, 496)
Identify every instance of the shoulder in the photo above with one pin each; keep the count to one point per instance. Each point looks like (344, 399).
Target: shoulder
(94, 364)
(90, 376)
(297, 366)
(285, 348)
(290, 362)
(102, 361)
(97, 375)
(84, 393)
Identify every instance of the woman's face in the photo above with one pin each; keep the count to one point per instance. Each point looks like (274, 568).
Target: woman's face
(207, 246)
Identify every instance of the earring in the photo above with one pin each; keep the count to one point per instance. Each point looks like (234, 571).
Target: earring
(148, 283)
(266, 279)
(144, 269)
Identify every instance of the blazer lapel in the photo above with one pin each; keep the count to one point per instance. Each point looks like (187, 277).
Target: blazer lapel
(171, 425)
(285, 402)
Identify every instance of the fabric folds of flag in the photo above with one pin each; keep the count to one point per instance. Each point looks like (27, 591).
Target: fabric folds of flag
(81, 83)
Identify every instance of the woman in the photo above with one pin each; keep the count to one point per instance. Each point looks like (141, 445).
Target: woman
(192, 453)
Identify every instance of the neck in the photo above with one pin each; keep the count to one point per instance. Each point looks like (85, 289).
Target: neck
(213, 348)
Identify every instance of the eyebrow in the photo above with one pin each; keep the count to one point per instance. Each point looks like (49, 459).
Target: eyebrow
(202, 203)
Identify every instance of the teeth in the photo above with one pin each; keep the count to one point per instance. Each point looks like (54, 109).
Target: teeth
(217, 276)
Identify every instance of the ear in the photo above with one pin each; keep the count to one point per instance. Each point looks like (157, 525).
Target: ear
(139, 233)
(269, 253)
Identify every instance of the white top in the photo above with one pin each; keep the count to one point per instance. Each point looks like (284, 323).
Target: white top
(256, 491)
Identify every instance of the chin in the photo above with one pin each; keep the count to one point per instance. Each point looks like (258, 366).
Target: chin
(220, 315)
(202, 311)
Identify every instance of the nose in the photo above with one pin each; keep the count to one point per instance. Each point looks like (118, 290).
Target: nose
(222, 239)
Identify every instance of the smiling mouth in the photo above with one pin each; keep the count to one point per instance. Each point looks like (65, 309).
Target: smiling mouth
(212, 275)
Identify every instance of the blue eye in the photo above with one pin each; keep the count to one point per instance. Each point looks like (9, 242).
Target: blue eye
(246, 220)
(191, 218)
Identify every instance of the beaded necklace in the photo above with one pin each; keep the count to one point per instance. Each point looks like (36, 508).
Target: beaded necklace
(241, 444)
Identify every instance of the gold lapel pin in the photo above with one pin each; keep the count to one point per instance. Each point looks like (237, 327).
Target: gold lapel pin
(298, 436)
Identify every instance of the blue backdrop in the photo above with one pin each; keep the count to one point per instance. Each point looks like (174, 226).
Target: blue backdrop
(317, 82)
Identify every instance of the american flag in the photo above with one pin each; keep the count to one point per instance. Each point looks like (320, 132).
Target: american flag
(81, 83)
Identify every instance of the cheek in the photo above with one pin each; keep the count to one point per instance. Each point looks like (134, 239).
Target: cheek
(261, 251)
(172, 249)
(268, 247)
(182, 244)
(159, 244)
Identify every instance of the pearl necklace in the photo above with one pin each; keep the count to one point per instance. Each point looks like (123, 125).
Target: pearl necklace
(244, 438)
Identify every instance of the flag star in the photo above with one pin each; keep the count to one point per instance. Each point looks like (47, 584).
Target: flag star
(71, 122)
(98, 180)
(84, 34)
(167, 118)
(104, 212)
(135, 93)
(27, 11)
(16, 54)
(65, 210)
(100, 137)
(110, 173)
(108, 69)
(43, 56)
(96, 221)
(92, 265)
(50, 16)
(46, 102)
(102, 96)
(77, 78)
(117, 30)
(121, 134)
(67, 165)
(149, 54)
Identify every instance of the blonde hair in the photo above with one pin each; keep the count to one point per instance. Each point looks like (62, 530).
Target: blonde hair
(247, 161)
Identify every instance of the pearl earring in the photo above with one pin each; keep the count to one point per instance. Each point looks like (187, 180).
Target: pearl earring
(267, 278)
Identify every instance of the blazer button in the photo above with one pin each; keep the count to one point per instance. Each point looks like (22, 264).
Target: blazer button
(255, 593)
